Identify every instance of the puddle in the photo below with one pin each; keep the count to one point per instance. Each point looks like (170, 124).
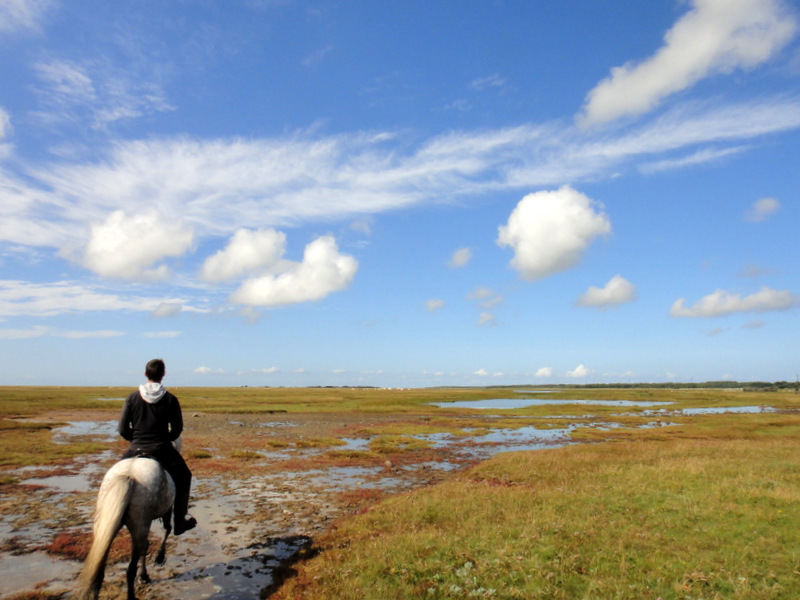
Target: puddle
(512, 403)
(90, 472)
(19, 571)
(101, 430)
(717, 410)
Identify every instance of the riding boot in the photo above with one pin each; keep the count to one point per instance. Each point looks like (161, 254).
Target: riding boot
(182, 522)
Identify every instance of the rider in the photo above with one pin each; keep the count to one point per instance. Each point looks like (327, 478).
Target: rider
(151, 420)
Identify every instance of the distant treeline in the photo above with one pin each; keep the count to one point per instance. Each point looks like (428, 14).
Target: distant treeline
(742, 385)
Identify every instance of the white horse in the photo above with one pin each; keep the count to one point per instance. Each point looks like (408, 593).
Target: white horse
(134, 493)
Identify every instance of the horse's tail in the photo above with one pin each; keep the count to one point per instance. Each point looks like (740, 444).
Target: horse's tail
(112, 502)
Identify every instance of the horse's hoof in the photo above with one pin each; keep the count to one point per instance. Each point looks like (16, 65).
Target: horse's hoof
(145, 578)
(161, 558)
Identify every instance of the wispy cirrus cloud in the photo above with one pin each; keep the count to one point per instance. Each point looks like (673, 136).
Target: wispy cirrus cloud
(20, 298)
(23, 14)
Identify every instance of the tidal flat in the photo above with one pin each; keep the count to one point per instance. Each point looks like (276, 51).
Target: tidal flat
(288, 481)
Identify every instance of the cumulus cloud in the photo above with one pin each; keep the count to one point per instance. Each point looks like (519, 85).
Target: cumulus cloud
(324, 270)
(129, 246)
(248, 252)
(578, 372)
(762, 209)
(721, 303)
(618, 290)
(434, 304)
(550, 231)
(715, 36)
(544, 372)
(460, 258)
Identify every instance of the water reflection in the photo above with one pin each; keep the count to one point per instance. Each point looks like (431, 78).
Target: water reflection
(512, 403)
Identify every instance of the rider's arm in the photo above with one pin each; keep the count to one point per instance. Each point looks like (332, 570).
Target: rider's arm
(124, 428)
(175, 421)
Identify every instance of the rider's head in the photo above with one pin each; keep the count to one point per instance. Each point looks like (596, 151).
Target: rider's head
(155, 369)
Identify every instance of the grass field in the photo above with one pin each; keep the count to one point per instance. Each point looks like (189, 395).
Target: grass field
(706, 506)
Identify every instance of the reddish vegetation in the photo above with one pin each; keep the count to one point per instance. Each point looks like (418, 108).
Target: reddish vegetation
(75, 545)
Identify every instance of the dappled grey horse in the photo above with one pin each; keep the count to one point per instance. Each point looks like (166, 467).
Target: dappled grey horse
(134, 493)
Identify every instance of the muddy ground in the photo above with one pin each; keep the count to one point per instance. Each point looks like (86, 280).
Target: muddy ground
(264, 487)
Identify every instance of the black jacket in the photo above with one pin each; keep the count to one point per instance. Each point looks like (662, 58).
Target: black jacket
(148, 426)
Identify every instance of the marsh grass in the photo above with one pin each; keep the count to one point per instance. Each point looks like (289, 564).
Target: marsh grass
(706, 508)
(29, 443)
(710, 511)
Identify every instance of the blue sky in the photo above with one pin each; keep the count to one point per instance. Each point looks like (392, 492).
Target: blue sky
(288, 192)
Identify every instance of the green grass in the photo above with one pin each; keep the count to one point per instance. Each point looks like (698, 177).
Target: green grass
(710, 511)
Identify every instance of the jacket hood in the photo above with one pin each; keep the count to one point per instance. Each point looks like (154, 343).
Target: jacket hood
(152, 392)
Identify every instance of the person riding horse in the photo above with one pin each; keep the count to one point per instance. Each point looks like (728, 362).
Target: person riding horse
(151, 421)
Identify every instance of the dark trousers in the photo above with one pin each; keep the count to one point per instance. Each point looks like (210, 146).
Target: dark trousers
(173, 463)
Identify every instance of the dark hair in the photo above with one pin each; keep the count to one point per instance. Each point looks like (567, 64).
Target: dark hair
(155, 370)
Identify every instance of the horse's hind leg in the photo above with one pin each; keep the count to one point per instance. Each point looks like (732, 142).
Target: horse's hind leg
(161, 556)
(138, 555)
(131, 572)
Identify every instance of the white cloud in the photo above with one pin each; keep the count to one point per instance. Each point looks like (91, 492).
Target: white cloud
(80, 335)
(550, 231)
(362, 226)
(460, 258)
(544, 372)
(715, 36)
(484, 297)
(167, 309)
(22, 14)
(721, 303)
(578, 372)
(5, 123)
(762, 209)
(24, 334)
(483, 83)
(162, 335)
(481, 373)
(217, 185)
(434, 304)
(248, 252)
(323, 271)
(40, 331)
(93, 93)
(208, 371)
(618, 290)
(487, 319)
(19, 298)
(126, 247)
(699, 157)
